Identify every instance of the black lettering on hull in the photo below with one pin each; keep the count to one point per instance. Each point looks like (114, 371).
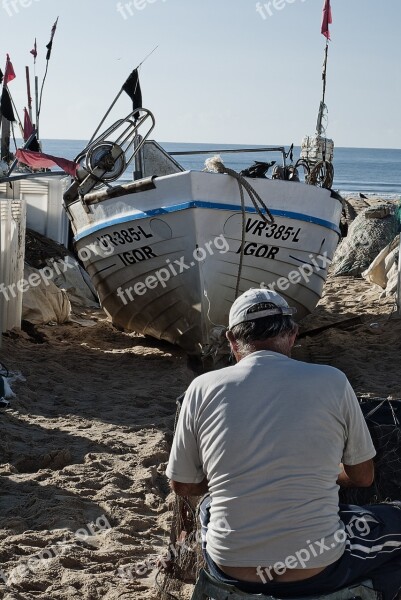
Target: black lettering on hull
(135, 256)
(259, 251)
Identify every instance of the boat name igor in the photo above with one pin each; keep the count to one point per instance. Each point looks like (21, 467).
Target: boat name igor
(262, 251)
(138, 255)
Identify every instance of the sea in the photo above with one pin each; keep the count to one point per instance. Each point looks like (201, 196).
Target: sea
(364, 170)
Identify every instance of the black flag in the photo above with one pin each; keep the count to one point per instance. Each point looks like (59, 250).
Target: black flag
(33, 145)
(133, 89)
(6, 106)
(49, 46)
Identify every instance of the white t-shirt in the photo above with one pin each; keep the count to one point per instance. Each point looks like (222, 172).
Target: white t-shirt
(269, 434)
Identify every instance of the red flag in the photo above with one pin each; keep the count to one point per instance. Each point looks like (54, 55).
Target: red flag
(327, 19)
(34, 50)
(9, 74)
(28, 127)
(38, 160)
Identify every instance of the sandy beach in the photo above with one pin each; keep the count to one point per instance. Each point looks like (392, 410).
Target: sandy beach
(86, 442)
(84, 504)
(158, 159)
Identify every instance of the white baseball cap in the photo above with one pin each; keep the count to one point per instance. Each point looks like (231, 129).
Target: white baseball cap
(241, 311)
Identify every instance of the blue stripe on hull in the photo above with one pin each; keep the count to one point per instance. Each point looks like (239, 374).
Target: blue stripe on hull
(200, 204)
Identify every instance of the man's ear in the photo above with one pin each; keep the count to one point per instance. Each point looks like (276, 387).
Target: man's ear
(233, 345)
(232, 340)
(230, 337)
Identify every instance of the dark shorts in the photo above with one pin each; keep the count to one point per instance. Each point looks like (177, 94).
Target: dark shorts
(373, 554)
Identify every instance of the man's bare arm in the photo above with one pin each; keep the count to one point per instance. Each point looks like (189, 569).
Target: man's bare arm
(361, 475)
(189, 489)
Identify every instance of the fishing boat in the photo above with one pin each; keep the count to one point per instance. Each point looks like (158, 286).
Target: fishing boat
(169, 252)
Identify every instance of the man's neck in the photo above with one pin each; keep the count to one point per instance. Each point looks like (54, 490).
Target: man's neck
(280, 347)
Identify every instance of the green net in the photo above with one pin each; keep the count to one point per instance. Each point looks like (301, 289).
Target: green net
(370, 232)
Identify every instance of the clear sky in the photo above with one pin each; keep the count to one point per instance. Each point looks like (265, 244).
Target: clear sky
(223, 72)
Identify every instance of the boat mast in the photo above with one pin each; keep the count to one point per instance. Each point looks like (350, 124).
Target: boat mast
(325, 30)
(5, 132)
(35, 122)
(323, 107)
(28, 92)
(39, 97)
(37, 105)
(317, 151)
(5, 139)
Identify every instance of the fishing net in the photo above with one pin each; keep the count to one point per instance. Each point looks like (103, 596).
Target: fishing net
(383, 417)
(370, 232)
(183, 560)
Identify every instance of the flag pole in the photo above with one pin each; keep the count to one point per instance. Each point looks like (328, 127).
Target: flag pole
(16, 112)
(1, 142)
(5, 136)
(37, 105)
(319, 128)
(5, 140)
(117, 97)
(325, 30)
(34, 53)
(49, 47)
(105, 116)
(324, 75)
(28, 91)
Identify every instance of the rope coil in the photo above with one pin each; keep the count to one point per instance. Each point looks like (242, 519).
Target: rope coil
(216, 165)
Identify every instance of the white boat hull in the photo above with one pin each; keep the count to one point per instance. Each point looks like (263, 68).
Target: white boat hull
(165, 262)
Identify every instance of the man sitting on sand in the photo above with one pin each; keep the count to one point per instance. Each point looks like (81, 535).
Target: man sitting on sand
(272, 439)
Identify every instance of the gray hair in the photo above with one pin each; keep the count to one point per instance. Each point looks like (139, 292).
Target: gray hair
(263, 329)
